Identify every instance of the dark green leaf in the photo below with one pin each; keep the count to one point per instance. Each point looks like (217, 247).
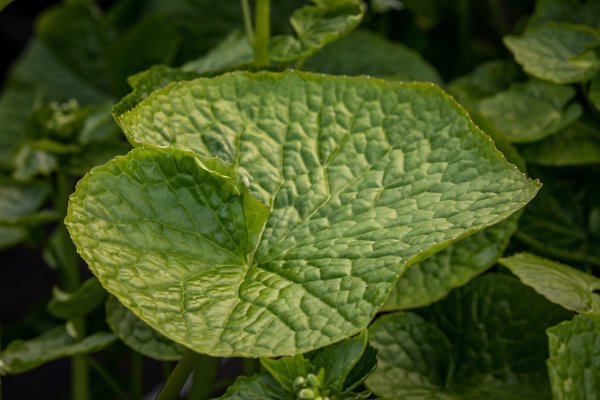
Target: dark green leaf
(136, 334)
(594, 92)
(486, 340)
(585, 12)
(578, 144)
(257, 387)
(24, 355)
(366, 53)
(559, 283)
(563, 220)
(11, 236)
(19, 200)
(78, 303)
(574, 363)
(231, 53)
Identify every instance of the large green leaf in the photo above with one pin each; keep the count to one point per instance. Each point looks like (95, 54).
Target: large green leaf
(530, 111)
(559, 53)
(574, 363)
(563, 221)
(366, 53)
(578, 144)
(484, 341)
(362, 177)
(432, 279)
(23, 355)
(139, 336)
(559, 283)
(316, 25)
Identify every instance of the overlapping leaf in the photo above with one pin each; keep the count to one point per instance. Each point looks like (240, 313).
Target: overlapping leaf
(574, 363)
(559, 53)
(362, 177)
(484, 341)
(559, 283)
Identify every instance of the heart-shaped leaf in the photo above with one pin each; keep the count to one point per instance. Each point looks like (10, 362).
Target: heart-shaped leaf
(362, 177)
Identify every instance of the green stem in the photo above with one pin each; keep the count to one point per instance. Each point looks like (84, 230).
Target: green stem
(262, 33)
(71, 279)
(173, 385)
(248, 21)
(204, 377)
(106, 376)
(137, 377)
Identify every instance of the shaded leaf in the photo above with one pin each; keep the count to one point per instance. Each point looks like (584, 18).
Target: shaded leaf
(78, 303)
(530, 111)
(257, 387)
(484, 341)
(594, 92)
(139, 336)
(366, 53)
(559, 283)
(578, 144)
(19, 200)
(231, 53)
(23, 355)
(563, 220)
(558, 53)
(574, 363)
(571, 11)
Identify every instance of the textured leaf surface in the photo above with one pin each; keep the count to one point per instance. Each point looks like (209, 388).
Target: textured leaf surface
(77, 304)
(486, 340)
(558, 53)
(361, 176)
(578, 144)
(432, 279)
(136, 334)
(559, 283)
(530, 111)
(24, 355)
(366, 53)
(574, 363)
(316, 25)
(415, 359)
(563, 221)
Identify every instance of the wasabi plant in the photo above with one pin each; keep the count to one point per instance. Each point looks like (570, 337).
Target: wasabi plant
(320, 212)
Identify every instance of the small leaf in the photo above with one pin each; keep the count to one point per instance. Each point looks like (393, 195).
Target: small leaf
(557, 53)
(362, 177)
(559, 283)
(432, 279)
(574, 363)
(286, 370)
(140, 337)
(257, 387)
(366, 53)
(77, 304)
(485, 340)
(316, 26)
(11, 236)
(530, 111)
(23, 355)
(578, 144)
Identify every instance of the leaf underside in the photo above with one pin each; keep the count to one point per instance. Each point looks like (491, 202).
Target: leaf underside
(361, 178)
